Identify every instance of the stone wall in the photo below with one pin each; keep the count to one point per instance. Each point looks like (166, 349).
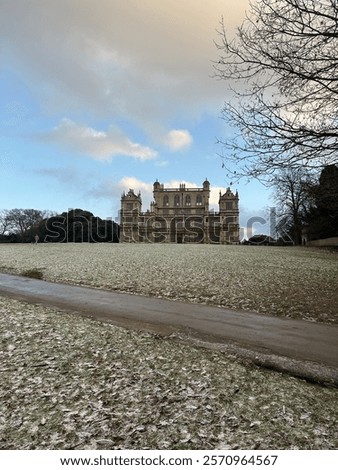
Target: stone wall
(333, 241)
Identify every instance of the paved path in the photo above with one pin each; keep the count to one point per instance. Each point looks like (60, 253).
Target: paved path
(304, 344)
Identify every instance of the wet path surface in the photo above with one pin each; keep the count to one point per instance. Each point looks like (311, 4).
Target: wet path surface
(297, 342)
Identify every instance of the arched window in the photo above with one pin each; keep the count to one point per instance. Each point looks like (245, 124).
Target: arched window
(188, 200)
(198, 200)
(177, 200)
(166, 200)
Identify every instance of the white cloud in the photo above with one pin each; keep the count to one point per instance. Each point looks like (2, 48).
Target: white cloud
(113, 191)
(214, 197)
(178, 139)
(97, 144)
(130, 182)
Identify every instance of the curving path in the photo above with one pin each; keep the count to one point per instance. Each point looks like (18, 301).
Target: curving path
(302, 348)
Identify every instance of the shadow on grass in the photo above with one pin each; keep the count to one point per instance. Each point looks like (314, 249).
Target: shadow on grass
(32, 273)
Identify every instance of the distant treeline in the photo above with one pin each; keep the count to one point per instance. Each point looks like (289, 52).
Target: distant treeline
(74, 226)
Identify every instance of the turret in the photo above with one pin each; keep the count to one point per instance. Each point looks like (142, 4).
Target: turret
(157, 186)
(206, 184)
(131, 201)
(131, 205)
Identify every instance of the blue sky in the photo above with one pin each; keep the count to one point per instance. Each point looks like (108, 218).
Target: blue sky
(97, 97)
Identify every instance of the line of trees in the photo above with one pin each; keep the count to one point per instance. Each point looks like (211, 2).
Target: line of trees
(76, 225)
(19, 223)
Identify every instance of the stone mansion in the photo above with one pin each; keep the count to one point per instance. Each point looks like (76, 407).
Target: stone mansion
(180, 215)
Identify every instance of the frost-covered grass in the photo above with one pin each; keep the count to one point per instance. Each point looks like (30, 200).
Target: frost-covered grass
(67, 382)
(292, 282)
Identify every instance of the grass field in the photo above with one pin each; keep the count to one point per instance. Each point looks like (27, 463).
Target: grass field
(292, 282)
(68, 382)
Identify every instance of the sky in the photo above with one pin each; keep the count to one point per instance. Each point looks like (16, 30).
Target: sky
(97, 97)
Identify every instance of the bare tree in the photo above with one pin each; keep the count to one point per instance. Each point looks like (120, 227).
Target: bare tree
(292, 195)
(23, 220)
(5, 222)
(282, 68)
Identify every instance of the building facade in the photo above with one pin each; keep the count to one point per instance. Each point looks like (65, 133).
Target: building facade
(180, 215)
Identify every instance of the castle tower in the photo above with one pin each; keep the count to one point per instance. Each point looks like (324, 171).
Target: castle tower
(131, 205)
(229, 217)
(206, 192)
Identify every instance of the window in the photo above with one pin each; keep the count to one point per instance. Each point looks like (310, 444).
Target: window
(198, 200)
(188, 200)
(129, 206)
(166, 200)
(228, 205)
(177, 201)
